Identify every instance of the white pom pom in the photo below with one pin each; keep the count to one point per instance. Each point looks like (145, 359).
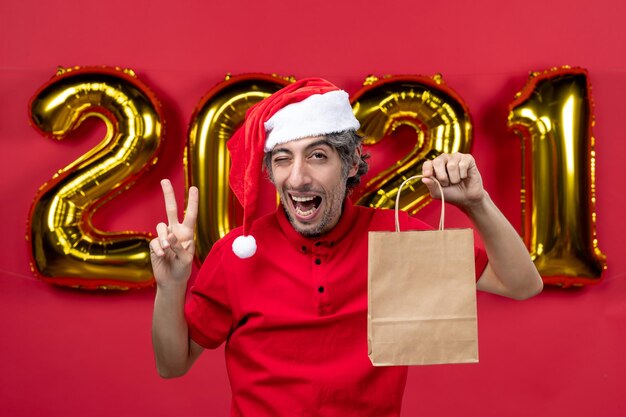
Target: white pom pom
(244, 246)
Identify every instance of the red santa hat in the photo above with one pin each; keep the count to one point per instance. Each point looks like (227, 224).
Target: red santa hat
(306, 108)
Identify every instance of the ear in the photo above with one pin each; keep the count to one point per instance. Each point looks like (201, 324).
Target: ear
(355, 166)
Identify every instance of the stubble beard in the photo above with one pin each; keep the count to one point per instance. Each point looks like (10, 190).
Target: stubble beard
(333, 207)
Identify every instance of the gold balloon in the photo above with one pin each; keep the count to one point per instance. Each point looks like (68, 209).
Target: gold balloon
(66, 249)
(207, 161)
(553, 115)
(426, 105)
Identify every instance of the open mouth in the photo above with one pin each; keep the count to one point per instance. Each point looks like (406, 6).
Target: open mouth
(305, 206)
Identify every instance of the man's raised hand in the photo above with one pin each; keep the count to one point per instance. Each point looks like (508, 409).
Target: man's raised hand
(173, 249)
(459, 177)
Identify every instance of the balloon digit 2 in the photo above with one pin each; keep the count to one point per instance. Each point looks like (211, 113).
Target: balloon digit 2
(65, 247)
(426, 105)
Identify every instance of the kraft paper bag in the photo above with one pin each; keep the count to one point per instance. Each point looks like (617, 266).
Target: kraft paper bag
(422, 296)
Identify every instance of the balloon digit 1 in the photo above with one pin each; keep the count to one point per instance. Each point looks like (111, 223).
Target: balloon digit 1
(207, 162)
(65, 248)
(553, 114)
(439, 117)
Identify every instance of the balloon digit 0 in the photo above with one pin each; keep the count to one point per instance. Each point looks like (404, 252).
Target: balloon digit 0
(65, 248)
(214, 121)
(553, 114)
(439, 117)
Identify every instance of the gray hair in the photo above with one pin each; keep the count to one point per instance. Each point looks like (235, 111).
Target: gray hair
(346, 144)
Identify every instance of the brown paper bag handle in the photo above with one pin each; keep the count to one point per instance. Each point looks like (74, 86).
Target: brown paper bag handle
(443, 201)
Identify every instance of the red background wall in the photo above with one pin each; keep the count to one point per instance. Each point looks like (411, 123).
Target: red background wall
(66, 352)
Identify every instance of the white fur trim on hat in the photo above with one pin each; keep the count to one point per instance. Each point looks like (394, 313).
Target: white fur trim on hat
(317, 115)
(244, 246)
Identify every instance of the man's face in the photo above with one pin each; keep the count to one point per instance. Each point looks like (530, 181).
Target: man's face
(308, 176)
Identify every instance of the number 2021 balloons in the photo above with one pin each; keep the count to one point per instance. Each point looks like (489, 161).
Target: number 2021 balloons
(67, 250)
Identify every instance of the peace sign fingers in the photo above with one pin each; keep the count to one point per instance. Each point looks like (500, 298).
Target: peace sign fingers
(171, 209)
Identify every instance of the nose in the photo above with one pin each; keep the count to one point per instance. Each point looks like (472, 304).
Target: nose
(299, 175)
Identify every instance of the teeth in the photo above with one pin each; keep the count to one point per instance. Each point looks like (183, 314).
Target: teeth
(304, 213)
(302, 199)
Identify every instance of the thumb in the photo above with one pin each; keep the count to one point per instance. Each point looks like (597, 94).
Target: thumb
(433, 188)
(181, 249)
(174, 245)
(190, 246)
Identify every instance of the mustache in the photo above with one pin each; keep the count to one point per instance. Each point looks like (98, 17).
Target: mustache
(304, 189)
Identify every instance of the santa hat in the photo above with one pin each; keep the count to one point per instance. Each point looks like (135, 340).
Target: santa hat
(306, 108)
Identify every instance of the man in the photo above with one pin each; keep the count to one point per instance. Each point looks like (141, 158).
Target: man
(287, 292)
